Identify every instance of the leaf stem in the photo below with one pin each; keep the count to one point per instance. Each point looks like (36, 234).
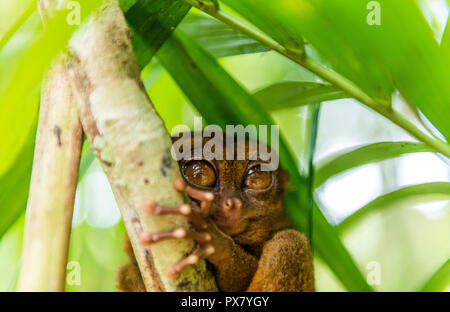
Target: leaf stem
(327, 74)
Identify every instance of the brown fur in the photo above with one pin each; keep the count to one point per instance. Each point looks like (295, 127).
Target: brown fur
(128, 277)
(255, 249)
(285, 264)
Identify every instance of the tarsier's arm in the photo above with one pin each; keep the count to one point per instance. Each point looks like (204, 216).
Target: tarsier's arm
(285, 264)
(238, 221)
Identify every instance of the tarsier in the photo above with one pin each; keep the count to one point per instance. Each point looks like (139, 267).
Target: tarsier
(239, 223)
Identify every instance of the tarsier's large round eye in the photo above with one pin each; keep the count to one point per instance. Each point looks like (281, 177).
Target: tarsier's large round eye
(200, 173)
(257, 179)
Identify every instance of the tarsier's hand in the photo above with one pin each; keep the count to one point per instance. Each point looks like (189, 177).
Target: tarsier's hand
(203, 231)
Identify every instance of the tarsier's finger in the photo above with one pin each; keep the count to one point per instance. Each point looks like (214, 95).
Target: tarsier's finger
(204, 197)
(200, 252)
(205, 205)
(153, 208)
(147, 238)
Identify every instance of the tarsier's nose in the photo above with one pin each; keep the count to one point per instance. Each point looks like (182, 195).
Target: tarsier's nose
(230, 213)
(232, 204)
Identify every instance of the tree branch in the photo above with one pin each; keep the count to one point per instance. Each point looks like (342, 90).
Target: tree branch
(129, 137)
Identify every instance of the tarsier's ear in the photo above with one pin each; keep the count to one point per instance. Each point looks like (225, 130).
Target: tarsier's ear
(175, 137)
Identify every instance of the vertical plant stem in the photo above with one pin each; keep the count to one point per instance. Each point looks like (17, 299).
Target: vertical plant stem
(53, 185)
(312, 149)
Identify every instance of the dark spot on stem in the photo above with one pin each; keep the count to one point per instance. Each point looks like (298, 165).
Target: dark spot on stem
(107, 163)
(128, 33)
(166, 163)
(183, 284)
(123, 46)
(57, 131)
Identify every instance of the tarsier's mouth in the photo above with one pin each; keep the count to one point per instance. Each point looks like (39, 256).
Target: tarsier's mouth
(231, 228)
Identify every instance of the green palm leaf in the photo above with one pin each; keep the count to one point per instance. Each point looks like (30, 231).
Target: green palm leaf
(364, 155)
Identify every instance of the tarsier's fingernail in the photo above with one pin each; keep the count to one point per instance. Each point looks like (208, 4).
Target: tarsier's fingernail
(192, 259)
(179, 233)
(149, 206)
(145, 238)
(209, 196)
(179, 184)
(208, 237)
(171, 272)
(205, 196)
(185, 209)
(209, 250)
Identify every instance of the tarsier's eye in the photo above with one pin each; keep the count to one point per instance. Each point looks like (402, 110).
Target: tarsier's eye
(257, 179)
(200, 173)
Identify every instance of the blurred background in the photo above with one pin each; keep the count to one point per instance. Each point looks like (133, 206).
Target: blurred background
(407, 239)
